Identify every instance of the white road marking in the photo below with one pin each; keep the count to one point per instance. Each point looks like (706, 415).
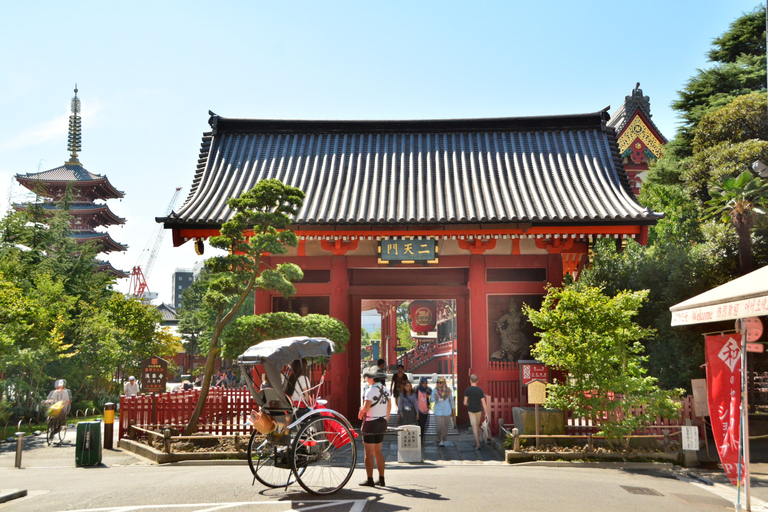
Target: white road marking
(729, 493)
(355, 506)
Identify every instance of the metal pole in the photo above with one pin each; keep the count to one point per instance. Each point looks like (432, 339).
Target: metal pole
(109, 422)
(19, 448)
(745, 411)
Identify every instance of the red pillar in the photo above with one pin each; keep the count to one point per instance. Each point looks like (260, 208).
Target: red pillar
(555, 269)
(463, 354)
(340, 363)
(478, 321)
(392, 343)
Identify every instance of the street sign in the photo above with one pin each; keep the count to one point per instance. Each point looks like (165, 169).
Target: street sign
(754, 327)
(690, 438)
(758, 348)
(153, 375)
(537, 392)
(533, 371)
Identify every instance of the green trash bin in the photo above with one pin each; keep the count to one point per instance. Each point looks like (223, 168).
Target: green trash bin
(88, 444)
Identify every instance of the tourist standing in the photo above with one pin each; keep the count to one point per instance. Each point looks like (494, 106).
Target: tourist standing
(474, 400)
(407, 406)
(131, 387)
(423, 399)
(444, 410)
(398, 379)
(375, 415)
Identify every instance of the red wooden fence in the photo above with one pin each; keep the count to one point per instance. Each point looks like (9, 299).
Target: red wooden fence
(502, 408)
(225, 411)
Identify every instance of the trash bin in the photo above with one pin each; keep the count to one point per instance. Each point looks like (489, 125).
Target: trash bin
(88, 444)
(409, 444)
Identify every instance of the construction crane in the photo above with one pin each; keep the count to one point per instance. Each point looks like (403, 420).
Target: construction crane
(138, 287)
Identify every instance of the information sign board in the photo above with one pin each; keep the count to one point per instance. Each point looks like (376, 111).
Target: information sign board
(690, 438)
(153, 375)
(537, 392)
(533, 371)
(408, 250)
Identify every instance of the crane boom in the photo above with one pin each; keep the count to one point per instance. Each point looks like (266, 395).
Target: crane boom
(138, 286)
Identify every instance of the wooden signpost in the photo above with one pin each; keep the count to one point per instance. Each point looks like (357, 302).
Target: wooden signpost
(537, 394)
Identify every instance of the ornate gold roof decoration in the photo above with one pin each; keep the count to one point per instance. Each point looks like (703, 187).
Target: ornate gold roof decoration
(73, 140)
(638, 129)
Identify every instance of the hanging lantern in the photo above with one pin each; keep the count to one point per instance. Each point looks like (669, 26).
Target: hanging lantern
(423, 316)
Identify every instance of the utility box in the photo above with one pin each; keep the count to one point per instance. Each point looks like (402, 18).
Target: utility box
(409, 444)
(88, 444)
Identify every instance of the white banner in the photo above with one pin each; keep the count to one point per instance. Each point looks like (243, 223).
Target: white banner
(727, 311)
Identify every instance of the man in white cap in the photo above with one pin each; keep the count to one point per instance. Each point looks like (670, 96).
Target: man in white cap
(131, 387)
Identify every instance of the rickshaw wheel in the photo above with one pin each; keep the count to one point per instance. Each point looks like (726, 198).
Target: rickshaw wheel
(261, 459)
(324, 455)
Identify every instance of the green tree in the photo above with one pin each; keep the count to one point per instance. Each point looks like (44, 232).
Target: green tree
(736, 201)
(594, 338)
(739, 67)
(258, 226)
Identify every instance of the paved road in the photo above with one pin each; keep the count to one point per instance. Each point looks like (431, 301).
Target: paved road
(454, 479)
(424, 487)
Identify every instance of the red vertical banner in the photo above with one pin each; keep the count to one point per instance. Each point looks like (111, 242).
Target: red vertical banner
(723, 353)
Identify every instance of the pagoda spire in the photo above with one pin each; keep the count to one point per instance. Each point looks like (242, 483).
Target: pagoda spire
(73, 140)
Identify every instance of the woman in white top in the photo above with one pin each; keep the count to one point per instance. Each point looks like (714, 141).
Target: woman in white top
(298, 384)
(375, 415)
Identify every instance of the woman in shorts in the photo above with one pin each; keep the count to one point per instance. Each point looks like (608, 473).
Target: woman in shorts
(375, 415)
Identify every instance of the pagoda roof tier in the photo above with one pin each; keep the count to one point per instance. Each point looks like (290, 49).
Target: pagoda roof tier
(70, 173)
(548, 170)
(103, 239)
(106, 216)
(105, 266)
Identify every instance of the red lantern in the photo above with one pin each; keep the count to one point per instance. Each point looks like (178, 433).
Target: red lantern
(423, 316)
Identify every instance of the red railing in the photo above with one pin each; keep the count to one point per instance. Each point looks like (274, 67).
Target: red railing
(426, 351)
(502, 408)
(225, 411)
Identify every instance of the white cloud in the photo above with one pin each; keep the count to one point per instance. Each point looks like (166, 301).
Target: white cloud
(50, 130)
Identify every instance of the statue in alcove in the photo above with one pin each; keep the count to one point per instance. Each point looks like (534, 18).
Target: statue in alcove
(515, 345)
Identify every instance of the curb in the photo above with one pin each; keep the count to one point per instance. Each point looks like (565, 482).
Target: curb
(159, 457)
(598, 465)
(514, 457)
(12, 494)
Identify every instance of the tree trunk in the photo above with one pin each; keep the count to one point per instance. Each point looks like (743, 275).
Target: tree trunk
(206, 386)
(745, 246)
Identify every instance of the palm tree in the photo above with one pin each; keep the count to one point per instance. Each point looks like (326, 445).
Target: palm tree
(737, 200)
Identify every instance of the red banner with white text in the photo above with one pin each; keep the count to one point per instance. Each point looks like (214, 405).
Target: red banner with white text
(724, 397)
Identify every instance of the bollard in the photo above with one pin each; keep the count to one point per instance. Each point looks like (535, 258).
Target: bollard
(109, 422)
(19, 448)
(591, 443)
(167, 440)
(516, 435)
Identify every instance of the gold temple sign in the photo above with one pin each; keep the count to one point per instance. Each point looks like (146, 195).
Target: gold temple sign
(409, 250)
(537, 392)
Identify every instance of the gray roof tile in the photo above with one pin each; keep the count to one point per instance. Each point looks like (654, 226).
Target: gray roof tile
(545, 170)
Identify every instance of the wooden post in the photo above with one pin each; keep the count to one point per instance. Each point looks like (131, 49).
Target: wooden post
(516, 436)
(536, 409)
(591, 443)
(167, 440)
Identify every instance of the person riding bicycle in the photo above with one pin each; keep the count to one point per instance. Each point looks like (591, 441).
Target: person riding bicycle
(61, 400)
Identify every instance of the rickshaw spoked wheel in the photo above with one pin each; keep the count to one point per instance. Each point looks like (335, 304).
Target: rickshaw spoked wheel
(324, 455)
(262, 456)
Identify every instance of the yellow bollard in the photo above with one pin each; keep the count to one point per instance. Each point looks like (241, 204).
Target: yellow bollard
(109, 422)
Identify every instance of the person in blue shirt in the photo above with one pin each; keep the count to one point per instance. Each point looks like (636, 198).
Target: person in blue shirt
(444, 410)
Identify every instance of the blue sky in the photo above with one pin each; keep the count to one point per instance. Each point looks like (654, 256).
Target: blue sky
(148, 72)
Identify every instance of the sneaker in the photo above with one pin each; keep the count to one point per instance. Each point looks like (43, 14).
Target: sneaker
(441, 444)
(368, 483)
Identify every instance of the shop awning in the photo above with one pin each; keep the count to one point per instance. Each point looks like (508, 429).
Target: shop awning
(741, 298)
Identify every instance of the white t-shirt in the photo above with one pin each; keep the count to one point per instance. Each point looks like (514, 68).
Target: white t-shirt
(302, 385)
(131, 389)
(379, 397)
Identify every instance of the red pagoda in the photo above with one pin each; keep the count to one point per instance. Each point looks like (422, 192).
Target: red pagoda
(639, 140)
(86, 189)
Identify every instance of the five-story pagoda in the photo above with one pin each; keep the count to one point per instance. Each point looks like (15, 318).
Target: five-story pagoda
(85, 189)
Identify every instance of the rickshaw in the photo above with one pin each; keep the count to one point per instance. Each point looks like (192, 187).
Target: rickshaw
(295, 442)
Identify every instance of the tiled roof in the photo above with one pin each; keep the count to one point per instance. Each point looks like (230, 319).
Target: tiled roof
(81, 208)
(168, 312)
(71, 172)
(105, 266)
(104, 239)
(539, 170)
(632, 103)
